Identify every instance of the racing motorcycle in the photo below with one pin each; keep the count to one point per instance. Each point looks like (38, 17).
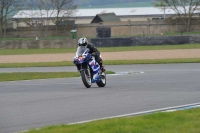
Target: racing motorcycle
(89, 68)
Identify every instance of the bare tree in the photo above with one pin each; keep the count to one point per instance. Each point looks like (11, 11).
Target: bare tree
(31, 7)
(184, 9)
(4, 11)
(63, 9)
(46, 8)
(48, 11)
(6, 8)
(2, 6)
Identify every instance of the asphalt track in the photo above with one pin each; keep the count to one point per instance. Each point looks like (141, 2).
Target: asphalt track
(37, 103)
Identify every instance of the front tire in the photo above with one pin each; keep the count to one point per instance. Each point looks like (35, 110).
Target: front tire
(86, 78)
(102, 81)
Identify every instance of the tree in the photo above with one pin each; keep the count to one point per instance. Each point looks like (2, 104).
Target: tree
(4, 11)
(46, 7)
(58, 9)
(32, 6)
(63, 9)
(184, 9)
(6, 8)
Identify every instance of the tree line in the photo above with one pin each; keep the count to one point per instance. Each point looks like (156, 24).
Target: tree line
(56, 7)
(6, 8)
(185, 9)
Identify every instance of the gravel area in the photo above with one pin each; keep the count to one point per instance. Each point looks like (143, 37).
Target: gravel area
(129, 55)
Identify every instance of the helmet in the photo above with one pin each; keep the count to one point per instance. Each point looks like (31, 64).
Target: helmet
(82, 41)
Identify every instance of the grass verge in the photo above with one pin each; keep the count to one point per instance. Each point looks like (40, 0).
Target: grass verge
(106, 62)
(185, 121)
(37, 64)
(102, 49)
(152, 61)
(16, 76)
(143, 48)
(35, 51)
(33, 38)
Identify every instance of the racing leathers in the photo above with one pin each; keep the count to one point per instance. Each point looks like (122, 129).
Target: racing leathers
(95, 52)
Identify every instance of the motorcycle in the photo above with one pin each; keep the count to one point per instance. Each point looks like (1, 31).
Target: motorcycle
(89, 68)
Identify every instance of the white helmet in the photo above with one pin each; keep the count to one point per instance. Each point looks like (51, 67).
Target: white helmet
(82, 41)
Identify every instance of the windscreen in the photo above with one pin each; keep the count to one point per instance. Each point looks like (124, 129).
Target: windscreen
(80, 50)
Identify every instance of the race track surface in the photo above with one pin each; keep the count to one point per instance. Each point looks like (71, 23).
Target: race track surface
(37, 103)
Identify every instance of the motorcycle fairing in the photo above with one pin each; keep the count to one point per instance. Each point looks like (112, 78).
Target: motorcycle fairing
(95, 67)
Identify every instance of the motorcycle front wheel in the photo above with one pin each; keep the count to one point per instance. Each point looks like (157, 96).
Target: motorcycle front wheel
(86, 78)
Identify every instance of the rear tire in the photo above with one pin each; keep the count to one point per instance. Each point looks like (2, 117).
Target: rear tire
(86, 78)
(102, 81)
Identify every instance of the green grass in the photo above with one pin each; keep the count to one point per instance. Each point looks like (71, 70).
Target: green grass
(16, 76)
(101, 49)
(15, 39)
(179, 33)
(143, 48)
(164, 34)
(33, 38)
(186, 121)
(35, 51)
(37, 64)
(35, 75)
(172, 34)
(109, 6)
(152, 61)
(106, 62)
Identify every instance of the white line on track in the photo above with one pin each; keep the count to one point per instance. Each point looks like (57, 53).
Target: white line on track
(125, 73)
(175, 108)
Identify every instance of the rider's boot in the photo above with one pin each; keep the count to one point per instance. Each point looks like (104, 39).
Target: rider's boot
(103, 69)
(101, 66)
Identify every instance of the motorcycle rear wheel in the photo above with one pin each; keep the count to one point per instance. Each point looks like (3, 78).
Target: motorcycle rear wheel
(102, 81)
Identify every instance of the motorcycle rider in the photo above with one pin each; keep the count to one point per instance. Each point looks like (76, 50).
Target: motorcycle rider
(93, 51)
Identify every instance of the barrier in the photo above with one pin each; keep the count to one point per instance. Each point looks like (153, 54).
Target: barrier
(141, 41)
(102, 42)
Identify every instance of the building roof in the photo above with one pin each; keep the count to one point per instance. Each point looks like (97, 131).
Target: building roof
(93, 12)
(105, 17)
(120, 11)
(135, 11)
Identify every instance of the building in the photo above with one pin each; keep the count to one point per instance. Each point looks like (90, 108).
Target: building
(25, 18)
(105, 17)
